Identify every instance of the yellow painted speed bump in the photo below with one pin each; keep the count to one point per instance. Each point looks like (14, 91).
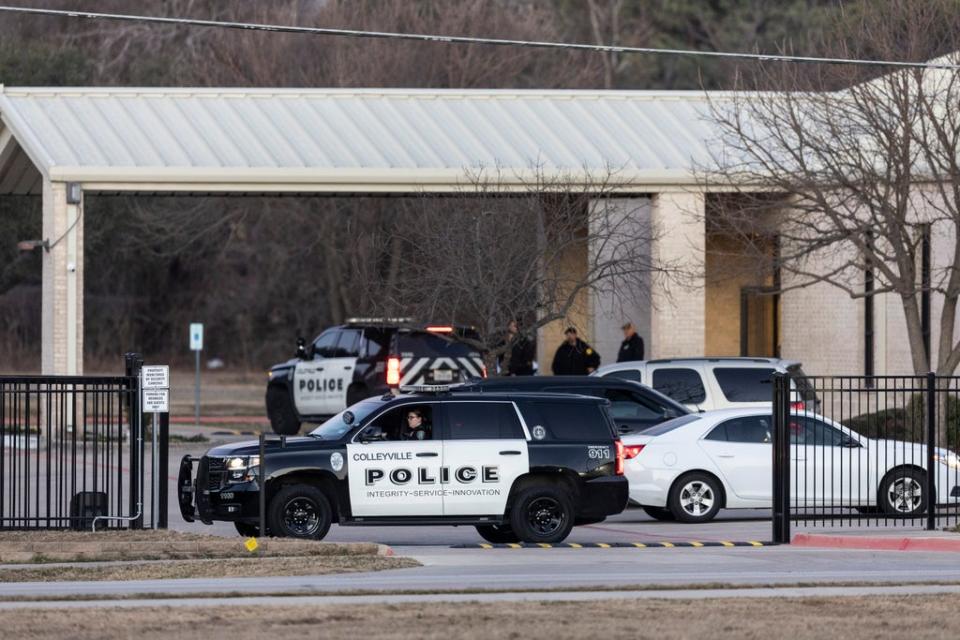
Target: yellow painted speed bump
(695, 544)
(251, 544)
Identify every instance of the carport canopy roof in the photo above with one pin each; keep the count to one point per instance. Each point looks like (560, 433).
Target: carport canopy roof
(342, 140)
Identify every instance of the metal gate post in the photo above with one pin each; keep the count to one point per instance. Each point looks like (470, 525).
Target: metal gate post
(931, 484)
(781, 458)
(133, 362)
(163, 456)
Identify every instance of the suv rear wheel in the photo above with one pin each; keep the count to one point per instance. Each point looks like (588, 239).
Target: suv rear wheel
(300, 511)
(283, 417)
(497, 533)
(542, 514)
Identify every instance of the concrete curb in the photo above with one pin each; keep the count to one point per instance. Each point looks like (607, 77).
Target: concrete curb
(877, 543)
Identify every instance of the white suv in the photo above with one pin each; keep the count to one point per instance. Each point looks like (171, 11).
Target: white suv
(703, 384)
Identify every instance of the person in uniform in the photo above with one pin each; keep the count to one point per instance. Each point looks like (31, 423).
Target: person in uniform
(574, 357)
(632, 346)
(415, 428)
(519, 356)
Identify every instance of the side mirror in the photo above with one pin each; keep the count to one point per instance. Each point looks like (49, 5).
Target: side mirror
(372, 434)
(301, 348)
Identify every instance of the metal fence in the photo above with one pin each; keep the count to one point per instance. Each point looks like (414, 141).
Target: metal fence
(72, 453)
(865, 451)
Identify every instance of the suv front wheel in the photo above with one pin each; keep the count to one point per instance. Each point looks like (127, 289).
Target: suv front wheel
(300, 511)
(542, 514)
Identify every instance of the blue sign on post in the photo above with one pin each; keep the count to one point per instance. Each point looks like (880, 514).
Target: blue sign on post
(196, 345)
(196, 336)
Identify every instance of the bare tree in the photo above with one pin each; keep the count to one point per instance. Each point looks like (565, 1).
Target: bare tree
(488, 255)
(855, 169)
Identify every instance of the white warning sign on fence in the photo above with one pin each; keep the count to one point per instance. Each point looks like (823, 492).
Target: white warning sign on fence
(156, 400)
(155, 377)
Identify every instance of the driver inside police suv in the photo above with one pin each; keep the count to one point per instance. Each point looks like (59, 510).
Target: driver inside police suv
(415, 426)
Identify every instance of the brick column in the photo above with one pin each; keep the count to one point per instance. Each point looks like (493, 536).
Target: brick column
(677, 318)
(62, 305)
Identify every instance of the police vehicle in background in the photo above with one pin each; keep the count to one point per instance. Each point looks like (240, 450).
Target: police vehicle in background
(365, 357)
(518, 467)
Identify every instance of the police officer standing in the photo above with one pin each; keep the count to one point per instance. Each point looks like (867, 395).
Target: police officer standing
(521, 351)
(574, 357)
(632, 346)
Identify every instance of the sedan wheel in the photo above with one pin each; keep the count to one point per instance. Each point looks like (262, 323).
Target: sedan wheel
(903, 494)
(695, 498)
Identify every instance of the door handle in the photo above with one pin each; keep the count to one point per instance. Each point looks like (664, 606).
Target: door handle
(725, 456)
(348, 368)
(509, 453)
(427, 454)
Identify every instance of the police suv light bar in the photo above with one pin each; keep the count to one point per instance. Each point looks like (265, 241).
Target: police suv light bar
(379, 320)
(425, 388)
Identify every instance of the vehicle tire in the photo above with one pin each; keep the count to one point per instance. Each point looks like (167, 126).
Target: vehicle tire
(283, 417)
(497, 533)
(247, 529)
(660, 513)
(695, 497)
(542, 513)
(299, 511)
(356, 393)
(902, 493)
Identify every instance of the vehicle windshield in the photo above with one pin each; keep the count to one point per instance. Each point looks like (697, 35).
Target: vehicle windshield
(424, 344)
(338, 425)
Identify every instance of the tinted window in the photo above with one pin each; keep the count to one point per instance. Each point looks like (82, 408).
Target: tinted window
(629, 406)
(813, 432)
(430, 345)
(626, 374)
(326, 345)
(482, 420)
(745, 385)
(374, 343)
(683, 385)
(670, 425)
(347, 345)
(569, 420)
(755, 429)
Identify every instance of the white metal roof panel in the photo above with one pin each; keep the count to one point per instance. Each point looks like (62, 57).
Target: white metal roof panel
(138, 133)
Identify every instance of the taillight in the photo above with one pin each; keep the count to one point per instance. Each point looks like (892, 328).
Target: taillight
(483, 371)
(797, 406)
(393, 371)
(632, 451)
(619, 465)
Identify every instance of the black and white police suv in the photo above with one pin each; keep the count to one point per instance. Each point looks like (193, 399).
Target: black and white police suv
(518, 467)
(362, 358)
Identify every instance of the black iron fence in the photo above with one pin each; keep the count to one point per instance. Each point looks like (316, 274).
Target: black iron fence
(73, 454)
(865, 451)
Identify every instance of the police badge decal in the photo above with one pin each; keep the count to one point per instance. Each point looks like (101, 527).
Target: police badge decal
(336, 461)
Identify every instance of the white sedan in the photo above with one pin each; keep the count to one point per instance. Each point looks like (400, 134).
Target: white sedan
(690, 467)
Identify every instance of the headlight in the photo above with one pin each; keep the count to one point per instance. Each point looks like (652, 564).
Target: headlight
(949, 459)
(242, 469)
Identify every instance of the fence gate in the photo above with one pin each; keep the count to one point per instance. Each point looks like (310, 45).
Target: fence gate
(865, 451)
(73, 453)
